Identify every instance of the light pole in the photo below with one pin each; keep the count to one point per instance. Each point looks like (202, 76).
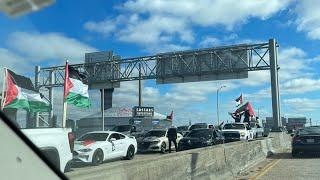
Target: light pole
(259, 110)
(218, 102)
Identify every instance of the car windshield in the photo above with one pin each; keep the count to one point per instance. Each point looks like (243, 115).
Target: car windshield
(182, 128)
(155, 133)
(197, 126)
(123, 128)
(309, 131)
(203, 133)
(94, 137)
(234, 126)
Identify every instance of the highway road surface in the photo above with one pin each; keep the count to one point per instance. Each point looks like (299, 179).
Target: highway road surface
(284, 166)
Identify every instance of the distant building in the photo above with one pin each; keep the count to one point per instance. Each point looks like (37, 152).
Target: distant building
(269, 122)
(296, 122)
(120, 116)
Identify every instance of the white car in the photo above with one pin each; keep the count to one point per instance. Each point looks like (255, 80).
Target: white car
(156, 140)
(98, 146)
(236, 132)
(55, 143)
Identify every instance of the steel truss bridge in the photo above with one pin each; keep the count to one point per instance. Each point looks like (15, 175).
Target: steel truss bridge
(197, 63)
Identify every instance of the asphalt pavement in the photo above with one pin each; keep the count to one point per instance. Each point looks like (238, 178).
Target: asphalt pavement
(283, 166)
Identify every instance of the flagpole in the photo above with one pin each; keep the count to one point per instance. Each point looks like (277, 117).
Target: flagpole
(3, 88)
(64, 115)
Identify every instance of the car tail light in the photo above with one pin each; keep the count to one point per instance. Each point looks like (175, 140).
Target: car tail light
(71, 138)
(296, 139)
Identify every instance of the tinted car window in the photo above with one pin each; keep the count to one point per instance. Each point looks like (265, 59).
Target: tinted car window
(198, 126)
(121, 128)
(115, 135)
(203, 133)
(94, 136)
(309, 131)
(156, 133)
(182, 128)
(234, 126)
(122, 136)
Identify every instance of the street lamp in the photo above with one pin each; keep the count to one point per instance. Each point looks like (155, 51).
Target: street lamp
(259, 110)
(218, 102)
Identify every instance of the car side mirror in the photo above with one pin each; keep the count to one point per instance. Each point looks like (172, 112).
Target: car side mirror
(112, 139)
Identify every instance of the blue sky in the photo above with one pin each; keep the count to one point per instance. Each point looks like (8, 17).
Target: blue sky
(130, 28)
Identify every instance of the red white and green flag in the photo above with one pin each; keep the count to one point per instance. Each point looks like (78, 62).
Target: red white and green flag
(20, 93)
(75, 88)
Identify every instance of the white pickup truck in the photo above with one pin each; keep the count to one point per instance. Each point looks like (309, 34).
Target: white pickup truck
(237, 132)
(56, 144)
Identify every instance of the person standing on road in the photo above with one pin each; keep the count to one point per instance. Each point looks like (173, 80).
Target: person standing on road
(172, 137)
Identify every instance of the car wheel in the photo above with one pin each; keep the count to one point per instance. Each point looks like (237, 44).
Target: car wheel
(130, 153)
(247, 139)
(97, 157)
(163, 147)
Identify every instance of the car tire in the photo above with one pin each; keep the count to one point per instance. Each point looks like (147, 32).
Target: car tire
(97, 158)
(163, 147)
(247, 139)
(130, 153)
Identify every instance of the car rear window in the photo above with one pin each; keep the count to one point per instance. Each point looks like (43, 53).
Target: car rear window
(203, 133)
(309, 131)
(234, 126)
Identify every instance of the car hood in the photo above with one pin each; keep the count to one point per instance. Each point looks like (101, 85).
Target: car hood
(152, 138)
(86, 144)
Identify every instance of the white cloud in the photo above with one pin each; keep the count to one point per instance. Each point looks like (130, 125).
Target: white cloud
(301, 85)
(161, 23)
(302, 104)
(48, 46)
(104, 27)
(209, 12)
(209, 42)
(308, 18)
(13, 62)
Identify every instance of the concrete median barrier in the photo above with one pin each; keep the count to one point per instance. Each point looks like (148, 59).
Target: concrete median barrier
(216, 162)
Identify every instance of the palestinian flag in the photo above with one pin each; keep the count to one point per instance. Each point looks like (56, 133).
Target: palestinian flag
(21, 94)
(75, 89)
(170, 117)
(239, 100)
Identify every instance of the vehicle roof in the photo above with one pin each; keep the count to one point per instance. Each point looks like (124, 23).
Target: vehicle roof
(237, 123)
(199, 124)
(102, 132)
(201, 129)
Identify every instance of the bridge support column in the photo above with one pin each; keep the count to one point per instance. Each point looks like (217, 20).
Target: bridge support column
(274, 84)
(107, 98)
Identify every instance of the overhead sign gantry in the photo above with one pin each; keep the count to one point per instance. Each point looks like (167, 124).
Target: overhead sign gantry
(207, 64)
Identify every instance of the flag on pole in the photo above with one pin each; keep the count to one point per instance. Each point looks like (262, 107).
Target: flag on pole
(75, 89)
(170, 117)
(239, 100)
(20, 93)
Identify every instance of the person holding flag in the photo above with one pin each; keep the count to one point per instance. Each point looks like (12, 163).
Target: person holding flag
(75, 90)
